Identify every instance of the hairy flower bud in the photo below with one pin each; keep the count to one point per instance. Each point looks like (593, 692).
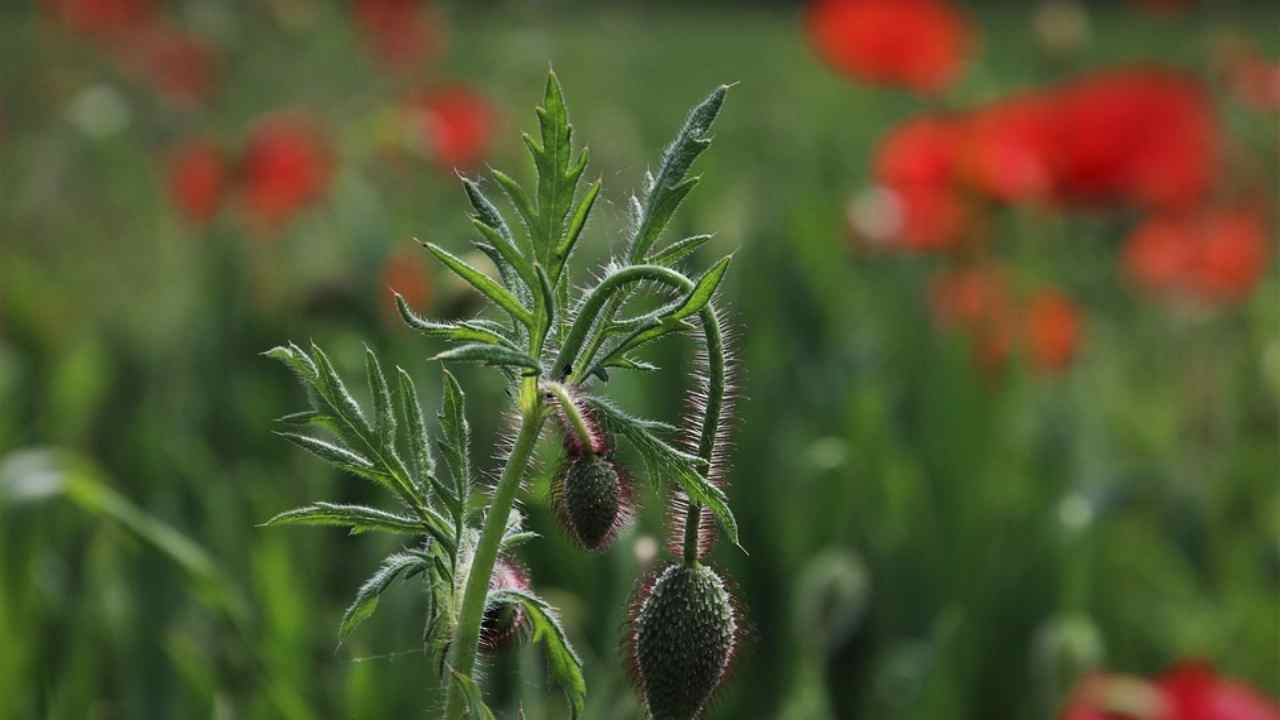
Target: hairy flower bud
(684, 633)
(593, 499)
(503, 621)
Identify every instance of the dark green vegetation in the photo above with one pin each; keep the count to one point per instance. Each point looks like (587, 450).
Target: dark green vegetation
(970, 522)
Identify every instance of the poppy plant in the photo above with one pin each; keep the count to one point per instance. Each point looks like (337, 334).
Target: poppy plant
(197, 177)
(457, 124)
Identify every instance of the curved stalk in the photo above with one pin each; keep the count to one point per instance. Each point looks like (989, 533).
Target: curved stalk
(573, 414)
(462, 653)
(713, 336)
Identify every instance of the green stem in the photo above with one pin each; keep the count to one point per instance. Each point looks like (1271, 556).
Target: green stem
(710, 421)
(462, 653)
(577, 422)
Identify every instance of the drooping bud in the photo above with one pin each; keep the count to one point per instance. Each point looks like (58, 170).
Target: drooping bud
(593, 499)
(684, 632)
(502, 622)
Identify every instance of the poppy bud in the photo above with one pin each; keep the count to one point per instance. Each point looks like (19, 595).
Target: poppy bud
(593, 500)
(683, 634)
(503, 621)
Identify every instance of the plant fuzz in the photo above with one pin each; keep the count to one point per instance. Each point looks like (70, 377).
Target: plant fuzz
(556, 345)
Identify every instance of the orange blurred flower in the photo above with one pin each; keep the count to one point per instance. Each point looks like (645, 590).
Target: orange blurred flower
(457, 124)
(976, 300)
(197, 175)
(286, 166)
(103, 19)
(1053, 330)
(405, 272)
(917, 44)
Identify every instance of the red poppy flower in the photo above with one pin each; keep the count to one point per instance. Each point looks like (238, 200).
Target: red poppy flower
(1053, 330)
(1232, 255)
(1194, 692)
(104, 19)
(1160, 253)
(197, 178)
(1146, 137)
(397, 30)
(976, 301)
(406, 273)
(1219, 254)
(181, 66)
(457, 124)
(286, 166)
(917, 44)
(1008, 150)
(917, 163)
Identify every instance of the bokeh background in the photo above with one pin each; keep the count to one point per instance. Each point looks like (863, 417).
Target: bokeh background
(1006, 302)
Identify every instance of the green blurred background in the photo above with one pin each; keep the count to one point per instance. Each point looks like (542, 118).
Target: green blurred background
(925, 540)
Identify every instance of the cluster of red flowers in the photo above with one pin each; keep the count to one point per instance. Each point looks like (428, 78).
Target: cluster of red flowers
(1143, 139)
(285, 165)
(979, 301)
(177, 64)
(1191, 691)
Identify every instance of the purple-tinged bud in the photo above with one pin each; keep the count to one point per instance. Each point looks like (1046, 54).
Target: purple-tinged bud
(502, 622)
(592, 497)
(683, 635)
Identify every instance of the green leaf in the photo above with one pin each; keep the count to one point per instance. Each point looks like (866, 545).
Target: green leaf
(456, 436)
(366, 601)
(703, 291)
(302, 418)
(579, 221)
(357, 517)
(546, 307)
(670, 186)
(329, 452)
(464, 331)
(679, 250)
(384, 416)
(476, 709)
(493, 355)
(421, 464)
(563, 661)
(663, 461)
(484, 284)
(334, 392)
(519, 199)
(296, 360)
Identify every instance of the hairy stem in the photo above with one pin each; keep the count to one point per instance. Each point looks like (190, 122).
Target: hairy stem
(710, 421)
(462, 653)
(573, 414)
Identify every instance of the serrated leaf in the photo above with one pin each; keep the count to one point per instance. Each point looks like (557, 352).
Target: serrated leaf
(335, 394)
(494, 355)
(662, 461)
(495, 292)
(562, 660)
(628, 363)
(464, 331)
(476, 709)
(670, 185)
(703, 291)
(421, 464)
(519, 199)
(579, 221)
(546, 308)
(384, 416)
(329, 452)
(366, 601)
(304, 417)
(357, 517)
(679, 250)
(296, 360)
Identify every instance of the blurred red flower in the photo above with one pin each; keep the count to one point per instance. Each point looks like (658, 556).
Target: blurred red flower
(1232, 255)
(1053, 330)
(104, 19)
(1194, 692)
(917, 44)
(1008, 149)
(976, 300)
(917, 163)
(405, 272)
(286, 165)
(1164, 6)
(197, 175)
(457, 124)
(1219, 254)
(397, 30)
(180, 66)
(1148, 137)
